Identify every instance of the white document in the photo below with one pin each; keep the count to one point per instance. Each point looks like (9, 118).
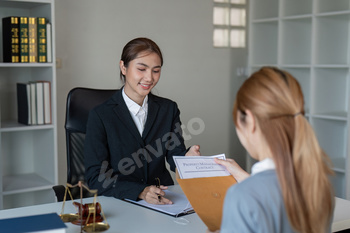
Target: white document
(199, 166)
(181, 206)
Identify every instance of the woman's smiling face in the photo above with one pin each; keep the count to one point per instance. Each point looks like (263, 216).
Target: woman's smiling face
(141, 75)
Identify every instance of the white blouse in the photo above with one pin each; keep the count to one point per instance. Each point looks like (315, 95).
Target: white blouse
(138, 113)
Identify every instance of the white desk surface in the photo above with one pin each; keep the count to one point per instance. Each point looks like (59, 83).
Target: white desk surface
(124, 217)
(341, 220)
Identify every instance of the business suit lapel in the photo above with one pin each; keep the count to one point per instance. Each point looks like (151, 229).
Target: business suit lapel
(122, 112)
(153, 108)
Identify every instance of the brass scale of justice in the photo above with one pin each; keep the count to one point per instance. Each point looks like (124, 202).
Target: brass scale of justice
(95, 209)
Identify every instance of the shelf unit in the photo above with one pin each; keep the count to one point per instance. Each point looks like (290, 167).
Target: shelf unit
(28, 154)
(311, 40)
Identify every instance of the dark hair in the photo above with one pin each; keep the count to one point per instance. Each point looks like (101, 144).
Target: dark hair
(132, 49)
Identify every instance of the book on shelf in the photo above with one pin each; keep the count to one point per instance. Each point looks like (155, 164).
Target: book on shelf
(47, 101)
(24, 39)
(34, 103)
(27, 39)
(50, 222)
(39, 102)
(33, 49)
(41, 33)
(23, 103)
(49, 41)
(10, 39)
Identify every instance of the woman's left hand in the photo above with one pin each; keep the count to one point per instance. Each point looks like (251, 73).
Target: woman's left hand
(193, 151)
(232, 167)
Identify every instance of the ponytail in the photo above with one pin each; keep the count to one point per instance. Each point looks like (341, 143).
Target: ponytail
(303, 169)
(311, 184)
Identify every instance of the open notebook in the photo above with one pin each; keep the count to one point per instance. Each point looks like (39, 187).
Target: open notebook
(181, 206)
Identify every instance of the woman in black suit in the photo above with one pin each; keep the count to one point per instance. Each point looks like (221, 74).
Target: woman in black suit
(130, 136)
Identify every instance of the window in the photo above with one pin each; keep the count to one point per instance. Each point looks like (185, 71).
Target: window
(229, 20)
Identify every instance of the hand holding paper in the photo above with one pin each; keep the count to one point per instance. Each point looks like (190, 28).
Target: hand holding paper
(232, 167)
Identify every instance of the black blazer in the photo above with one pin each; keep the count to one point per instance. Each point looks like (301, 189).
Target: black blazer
(121, 163)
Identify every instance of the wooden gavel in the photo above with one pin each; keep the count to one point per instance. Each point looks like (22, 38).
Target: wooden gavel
(88, 208)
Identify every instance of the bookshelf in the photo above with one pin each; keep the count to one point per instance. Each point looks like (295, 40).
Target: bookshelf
(28, 154)
(310, 39)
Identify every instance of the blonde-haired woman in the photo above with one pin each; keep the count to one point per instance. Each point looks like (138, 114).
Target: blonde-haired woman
(289, 189)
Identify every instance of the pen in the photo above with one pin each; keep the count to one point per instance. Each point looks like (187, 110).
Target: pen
(158, 186)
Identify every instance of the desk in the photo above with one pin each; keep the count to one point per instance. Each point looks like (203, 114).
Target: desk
(128, 218)
(341, 220)
(123, 217)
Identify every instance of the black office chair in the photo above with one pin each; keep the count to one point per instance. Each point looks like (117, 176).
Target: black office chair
(79, 103)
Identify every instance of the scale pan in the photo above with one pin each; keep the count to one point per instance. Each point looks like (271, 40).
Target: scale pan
(69, 217)
(99, 227)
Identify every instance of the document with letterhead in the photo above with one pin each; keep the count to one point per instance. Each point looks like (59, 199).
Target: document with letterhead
(205, 184)
(190, 167)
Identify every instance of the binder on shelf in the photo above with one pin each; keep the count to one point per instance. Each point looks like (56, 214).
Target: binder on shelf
(24, 39)
(35, 223)
(41, 34)
(23, 103)
(47, 101)
(39, 98)
(206, 196)
(33, 103)
(49, 42)
(33, 49)
(10, 39)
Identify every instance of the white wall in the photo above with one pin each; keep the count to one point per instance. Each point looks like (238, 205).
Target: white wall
(90, 35)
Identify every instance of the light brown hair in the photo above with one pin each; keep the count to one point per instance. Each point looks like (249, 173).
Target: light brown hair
(276, 100)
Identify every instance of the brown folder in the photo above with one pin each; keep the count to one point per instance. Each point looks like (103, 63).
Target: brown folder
(206, 196)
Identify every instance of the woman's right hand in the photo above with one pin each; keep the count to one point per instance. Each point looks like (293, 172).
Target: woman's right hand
(194, 151)
(154, 195)
(233, 168)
